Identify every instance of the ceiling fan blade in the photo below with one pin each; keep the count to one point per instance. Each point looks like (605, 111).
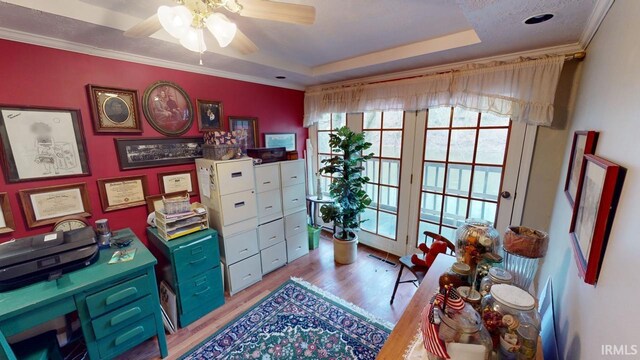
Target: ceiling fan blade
(243, 44)
(145, 28)
(278, 11)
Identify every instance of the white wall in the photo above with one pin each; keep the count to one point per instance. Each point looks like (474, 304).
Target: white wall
(607, 100)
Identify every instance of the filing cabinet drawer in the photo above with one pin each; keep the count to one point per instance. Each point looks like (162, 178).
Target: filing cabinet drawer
(269, 206)
(187, 318)
(295, 224)
(273, 257)
(235, 176)
(294, 198)
(116, 296)
(271, 233)
(292, 172)
(240, 246)
(267, 177)
(244, 274)
(297, 246)
(196, 257)
(199, 290)
(127, 337)
(238, 207)
(117, 319)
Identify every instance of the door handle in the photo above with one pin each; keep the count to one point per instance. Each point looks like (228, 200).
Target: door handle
(505, 194)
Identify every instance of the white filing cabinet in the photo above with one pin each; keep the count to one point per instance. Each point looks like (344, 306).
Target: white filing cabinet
(228, 190)
(294, 206)
(271, 232)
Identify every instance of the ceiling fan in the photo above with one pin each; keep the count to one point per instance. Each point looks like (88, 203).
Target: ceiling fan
(189, 18)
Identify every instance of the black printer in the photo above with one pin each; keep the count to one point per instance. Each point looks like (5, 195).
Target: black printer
(46, 256)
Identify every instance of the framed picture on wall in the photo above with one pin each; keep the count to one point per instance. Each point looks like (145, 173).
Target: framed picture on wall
(152, 152)
(114, 110)
(168, 108)
(593, 213)
(6, 217)
(584, 142)
(180, 180)
(42, 143)
(209, 115)
(47, 205)
(123, 192)
(246, 131)
(286, 140)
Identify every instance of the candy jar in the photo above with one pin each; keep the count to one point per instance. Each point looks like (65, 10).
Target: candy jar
(456, 276)
(474, 239)
(495, 276)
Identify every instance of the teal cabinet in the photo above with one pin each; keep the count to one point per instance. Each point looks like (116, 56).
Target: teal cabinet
(194, 272)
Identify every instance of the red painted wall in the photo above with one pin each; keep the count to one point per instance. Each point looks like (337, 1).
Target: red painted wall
(35, 75)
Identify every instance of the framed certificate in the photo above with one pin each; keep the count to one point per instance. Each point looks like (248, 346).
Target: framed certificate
(174, 181)
(6, 217)
(122, 192)
(46, 205)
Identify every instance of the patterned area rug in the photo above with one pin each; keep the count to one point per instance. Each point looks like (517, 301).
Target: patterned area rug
(297, 321)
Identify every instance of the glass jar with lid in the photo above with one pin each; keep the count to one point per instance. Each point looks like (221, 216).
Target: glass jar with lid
(458, 275)
(474, 239)
(495, 276)
(510, 316)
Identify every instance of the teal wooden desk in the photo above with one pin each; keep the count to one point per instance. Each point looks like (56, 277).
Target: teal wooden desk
(117, 304)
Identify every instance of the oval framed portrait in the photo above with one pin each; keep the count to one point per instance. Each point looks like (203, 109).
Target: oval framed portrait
(167, 108)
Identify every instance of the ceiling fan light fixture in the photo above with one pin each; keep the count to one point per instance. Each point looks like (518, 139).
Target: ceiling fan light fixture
(194, 40)
(175, 20)
(222, 28)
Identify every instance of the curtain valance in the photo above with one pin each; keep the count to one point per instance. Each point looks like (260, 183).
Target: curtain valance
(523, 90)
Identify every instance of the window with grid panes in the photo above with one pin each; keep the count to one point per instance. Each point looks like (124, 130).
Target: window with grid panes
(327, 125)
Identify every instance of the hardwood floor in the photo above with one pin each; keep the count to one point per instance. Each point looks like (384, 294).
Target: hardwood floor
(367, 283)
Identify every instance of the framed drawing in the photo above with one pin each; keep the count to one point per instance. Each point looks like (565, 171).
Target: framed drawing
(42, 143)
(180, 180)
(593, 213)
(47, 205)
(167, 108)
(152, 152)
(154, 202)
(286, 140)
(114, 110)
(123, 192)
(246, 131)
(6, 217)
(209, 115)
(584, 142)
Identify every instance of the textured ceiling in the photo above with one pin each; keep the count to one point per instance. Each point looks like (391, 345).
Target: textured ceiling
(343, 29)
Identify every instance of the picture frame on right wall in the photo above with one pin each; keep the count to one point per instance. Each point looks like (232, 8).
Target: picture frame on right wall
(286, 140)
(584, 142)
(593, 213)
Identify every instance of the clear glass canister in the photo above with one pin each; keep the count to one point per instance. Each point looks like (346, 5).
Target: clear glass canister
(510, 316)
(474, 239)
(458, 275)
(495, 276)
(463, 334)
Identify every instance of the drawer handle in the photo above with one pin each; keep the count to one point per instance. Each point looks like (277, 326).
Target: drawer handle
(273, 237)
(294, 177)
(275, 261)
(131, 313)
(136, 331)
(299, 247)
(236, 174)
(197, 261)
(297, 227)
(202, 292)
(239, 204)
(121, 295)
(241, 251)
(268, 207)
(294, 200)
(247, 277)
(266, 182)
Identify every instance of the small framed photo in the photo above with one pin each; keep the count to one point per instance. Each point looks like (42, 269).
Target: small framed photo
(167, 108)
(246, 129)
(6, 217)
(584, 142)
(593, 213)
(123, 192)
(154, 202)
(286, 140)
(180, 180)
(114, 110)
(42, 143)
(47, 205)
(209, 115)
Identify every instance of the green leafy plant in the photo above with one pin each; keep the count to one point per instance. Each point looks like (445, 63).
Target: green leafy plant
(347, 188)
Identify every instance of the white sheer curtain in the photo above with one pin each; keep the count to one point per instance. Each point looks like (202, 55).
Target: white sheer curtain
(523, 90)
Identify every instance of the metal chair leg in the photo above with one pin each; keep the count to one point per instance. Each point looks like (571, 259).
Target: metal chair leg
(395, 288)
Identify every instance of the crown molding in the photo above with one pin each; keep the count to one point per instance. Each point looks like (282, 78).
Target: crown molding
(560, 49)
(44, 41)
(598, 14)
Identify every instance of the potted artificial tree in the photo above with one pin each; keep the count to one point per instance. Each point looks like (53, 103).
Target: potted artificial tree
(347, 190)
